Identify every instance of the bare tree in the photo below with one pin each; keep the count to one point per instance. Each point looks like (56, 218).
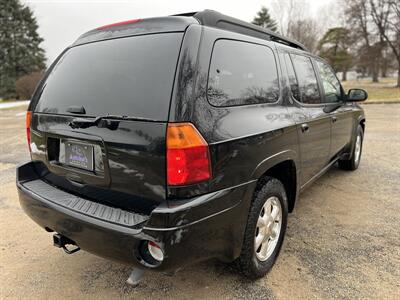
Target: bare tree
(26, 85)
(289, 11)
(306, 32)
(279, 12)
(296, 22)
(359, 20)
(386, 16)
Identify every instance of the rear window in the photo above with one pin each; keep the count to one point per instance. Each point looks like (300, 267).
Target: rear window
(307, 79)
(242, 73)
(294, 86)
(129, 76)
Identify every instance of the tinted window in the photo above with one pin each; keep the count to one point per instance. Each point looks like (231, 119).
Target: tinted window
(330, 83)
(294, 86)
(128, 76)
(242, 73)
(307, 80)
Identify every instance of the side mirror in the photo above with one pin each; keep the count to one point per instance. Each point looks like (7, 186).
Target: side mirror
(357, 95)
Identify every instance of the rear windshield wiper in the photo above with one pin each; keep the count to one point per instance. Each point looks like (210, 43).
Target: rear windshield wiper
(107, 121)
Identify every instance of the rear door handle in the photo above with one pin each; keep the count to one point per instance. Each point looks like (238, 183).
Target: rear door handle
(334, 119)
(304, 127)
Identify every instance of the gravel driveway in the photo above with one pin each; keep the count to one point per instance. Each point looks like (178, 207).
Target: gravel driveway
(343, 239)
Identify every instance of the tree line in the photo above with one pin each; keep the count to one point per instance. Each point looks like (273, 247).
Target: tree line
(22, 59)
(361, 35)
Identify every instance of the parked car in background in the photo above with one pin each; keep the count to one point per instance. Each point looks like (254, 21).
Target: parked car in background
(166, 141)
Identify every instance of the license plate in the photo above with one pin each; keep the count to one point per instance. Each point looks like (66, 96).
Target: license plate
(79, 155)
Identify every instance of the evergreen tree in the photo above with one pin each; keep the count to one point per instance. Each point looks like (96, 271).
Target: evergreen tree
(264, 20)
(334, 47)
(20, 51)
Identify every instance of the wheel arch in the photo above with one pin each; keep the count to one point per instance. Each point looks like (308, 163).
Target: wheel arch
(284, 167)
(362, 124)
(360, 121)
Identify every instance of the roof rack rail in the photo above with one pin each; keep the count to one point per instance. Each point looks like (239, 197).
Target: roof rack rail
(215, 19)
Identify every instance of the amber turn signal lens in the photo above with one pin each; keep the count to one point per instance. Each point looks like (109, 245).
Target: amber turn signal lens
(28, 128)
(183, 135)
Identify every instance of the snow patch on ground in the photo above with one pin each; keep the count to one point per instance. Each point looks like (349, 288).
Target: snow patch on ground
(12, 104)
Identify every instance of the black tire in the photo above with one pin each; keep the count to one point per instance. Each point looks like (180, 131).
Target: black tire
(353, 163)
(248, 261)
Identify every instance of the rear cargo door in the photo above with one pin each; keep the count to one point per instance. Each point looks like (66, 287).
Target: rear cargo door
(99, 124)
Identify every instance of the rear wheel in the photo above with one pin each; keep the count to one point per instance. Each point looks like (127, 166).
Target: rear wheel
(354, 161)
(265, 229)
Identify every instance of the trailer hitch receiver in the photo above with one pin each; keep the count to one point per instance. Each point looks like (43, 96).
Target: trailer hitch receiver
(61, 241)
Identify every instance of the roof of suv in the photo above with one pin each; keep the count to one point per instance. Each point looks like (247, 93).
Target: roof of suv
(179, 22)
(215, 19)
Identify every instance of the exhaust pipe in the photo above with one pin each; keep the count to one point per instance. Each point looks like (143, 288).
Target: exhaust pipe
(61, 241)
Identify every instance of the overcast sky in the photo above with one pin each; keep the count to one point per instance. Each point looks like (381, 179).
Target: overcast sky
(61, 22)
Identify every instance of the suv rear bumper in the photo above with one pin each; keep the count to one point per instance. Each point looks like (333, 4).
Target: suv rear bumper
(206, 226)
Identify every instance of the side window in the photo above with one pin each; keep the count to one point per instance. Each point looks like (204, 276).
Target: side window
(330, 83)
(308, 83)
(242, 73)
(294, 86)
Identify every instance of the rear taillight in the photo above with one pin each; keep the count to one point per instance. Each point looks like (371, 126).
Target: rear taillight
(28, 128)
(119, 24)
(188, 158)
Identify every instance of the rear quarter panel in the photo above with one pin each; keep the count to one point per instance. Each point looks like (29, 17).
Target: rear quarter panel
(245, 141)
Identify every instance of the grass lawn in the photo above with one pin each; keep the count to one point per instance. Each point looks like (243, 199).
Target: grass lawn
(384, 90)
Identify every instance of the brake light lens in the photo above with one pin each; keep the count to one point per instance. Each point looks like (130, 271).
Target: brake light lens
(28, 128)
(188, 158)
(119, 24)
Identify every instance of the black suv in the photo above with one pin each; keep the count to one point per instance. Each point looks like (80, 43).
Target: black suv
(165, 141)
